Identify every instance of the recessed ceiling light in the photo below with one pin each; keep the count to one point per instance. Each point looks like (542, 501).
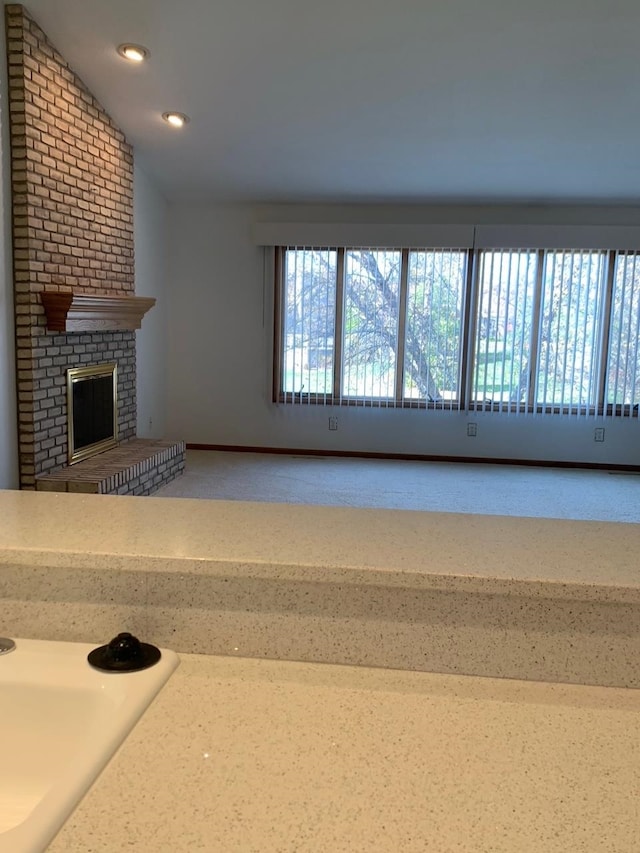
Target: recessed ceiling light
(133, 52)
(175, 119)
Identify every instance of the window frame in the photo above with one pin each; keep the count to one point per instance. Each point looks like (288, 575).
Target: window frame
(469, 319)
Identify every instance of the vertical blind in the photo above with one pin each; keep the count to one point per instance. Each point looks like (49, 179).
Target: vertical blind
(370, 324)
(623, 368)
(434, 326)
(570, 331)
(308, 323)
(504, 329)
(512, 330)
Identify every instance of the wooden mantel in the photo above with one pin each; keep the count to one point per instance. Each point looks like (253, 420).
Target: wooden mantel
(79, 312)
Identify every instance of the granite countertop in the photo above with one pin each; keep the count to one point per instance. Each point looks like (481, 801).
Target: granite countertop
(264, 756)
(103, 531)
(240, 754)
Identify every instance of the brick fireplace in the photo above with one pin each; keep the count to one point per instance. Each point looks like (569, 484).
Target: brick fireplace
(72, 217)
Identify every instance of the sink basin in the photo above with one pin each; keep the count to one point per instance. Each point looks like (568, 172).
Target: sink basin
(60, 723)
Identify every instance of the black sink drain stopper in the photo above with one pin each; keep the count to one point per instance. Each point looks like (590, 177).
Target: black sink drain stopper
(125, 653)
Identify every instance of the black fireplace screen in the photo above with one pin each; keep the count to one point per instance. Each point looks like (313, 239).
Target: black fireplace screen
(92, 410)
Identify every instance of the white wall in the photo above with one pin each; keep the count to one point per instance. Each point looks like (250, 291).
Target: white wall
(218, 365)
(220, 352)
(150, 240)
(8, 404)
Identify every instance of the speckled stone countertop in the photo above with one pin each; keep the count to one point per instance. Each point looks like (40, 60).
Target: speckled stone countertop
(106, 530)
(479, 595)
(265, 756)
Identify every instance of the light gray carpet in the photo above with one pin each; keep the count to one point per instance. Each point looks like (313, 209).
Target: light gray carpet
(389, 484)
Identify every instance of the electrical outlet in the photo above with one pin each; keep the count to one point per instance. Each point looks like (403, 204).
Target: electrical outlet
(472, 430)
(598, 434)
(333, 423)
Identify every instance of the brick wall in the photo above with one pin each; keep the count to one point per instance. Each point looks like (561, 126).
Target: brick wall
(52, 356)
(72, 191)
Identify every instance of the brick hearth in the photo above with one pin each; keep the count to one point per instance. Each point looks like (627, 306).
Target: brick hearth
(135, 467)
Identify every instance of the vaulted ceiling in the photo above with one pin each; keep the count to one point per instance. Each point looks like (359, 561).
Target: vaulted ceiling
(370, 100)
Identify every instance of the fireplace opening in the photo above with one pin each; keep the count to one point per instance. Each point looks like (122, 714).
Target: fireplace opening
(92, 410)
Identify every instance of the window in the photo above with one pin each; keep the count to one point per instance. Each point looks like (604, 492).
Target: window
(518, 330)
(371, 326)
(433, 327)
(504, 327)
(570, 329)
(309, 321)
(539, 327)
(623, 366)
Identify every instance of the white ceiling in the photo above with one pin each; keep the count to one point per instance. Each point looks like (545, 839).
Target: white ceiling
(370, 100)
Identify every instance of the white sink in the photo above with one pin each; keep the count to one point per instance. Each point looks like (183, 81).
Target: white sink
(60, 723)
